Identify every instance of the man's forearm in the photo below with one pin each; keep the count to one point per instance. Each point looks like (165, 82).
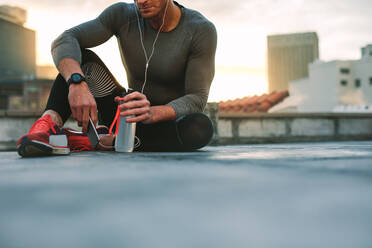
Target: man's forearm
(161, 113)
(82, 102)
(68, 66)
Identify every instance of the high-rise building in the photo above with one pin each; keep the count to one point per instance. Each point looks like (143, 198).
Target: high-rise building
(22, 86)
(288, 58)
(13, 14)
(17, 45)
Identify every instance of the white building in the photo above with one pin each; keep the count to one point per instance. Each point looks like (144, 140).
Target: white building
(335, 86)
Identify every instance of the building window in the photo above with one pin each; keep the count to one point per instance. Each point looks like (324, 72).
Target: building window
(344, 70)
(358, 83)
(343, 82)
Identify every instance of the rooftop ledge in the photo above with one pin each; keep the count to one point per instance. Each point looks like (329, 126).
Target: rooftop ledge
(10, 113)
(222, 114)
(237, 128)
(235, 115)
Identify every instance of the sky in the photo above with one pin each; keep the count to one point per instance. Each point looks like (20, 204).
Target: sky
(343, 27)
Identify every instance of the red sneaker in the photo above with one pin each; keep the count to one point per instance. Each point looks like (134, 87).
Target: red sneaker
(78, 142)
(44, 138)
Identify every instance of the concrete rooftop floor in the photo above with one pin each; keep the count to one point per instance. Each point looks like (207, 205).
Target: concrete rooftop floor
(282, 195)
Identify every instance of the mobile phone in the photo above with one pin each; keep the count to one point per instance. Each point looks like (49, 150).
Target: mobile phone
(92, 134)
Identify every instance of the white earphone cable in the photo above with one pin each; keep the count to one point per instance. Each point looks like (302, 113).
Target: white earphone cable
(148, 59)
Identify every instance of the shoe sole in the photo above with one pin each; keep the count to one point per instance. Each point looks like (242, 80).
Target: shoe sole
(34, 148)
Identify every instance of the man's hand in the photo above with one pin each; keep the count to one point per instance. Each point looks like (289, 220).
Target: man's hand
(136, 104)
(82, 104)
(81, 101)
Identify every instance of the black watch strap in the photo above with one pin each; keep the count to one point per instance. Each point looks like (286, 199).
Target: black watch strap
(76, 78)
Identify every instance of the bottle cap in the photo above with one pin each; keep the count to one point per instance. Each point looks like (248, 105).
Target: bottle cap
(124, 93)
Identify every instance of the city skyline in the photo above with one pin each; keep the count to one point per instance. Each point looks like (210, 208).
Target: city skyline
(242, 28)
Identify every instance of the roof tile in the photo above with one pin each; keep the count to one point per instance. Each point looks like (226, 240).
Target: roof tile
(250, 104)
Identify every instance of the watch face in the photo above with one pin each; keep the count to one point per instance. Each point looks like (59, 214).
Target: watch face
(76, 78)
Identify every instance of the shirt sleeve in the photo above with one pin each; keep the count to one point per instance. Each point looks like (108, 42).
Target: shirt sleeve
(199, 72)
(88, 34)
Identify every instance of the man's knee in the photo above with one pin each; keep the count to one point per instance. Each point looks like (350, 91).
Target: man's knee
(195, 130)
(89, 56)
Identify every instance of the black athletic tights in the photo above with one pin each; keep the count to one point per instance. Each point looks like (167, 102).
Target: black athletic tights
(187, 133)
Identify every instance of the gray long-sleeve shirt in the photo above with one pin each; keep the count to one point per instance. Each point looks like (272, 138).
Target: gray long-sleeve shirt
(182, 68)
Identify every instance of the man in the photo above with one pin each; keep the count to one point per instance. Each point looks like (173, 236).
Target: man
(168, 52)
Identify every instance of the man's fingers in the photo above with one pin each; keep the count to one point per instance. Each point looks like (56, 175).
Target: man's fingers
(82, 104)
(134, 104)
(117, 99)
(85, 119)
(73, 113)
(134, 95)
(136, 111)
(79, 115)
(130, 97)
(93, 114)
(137, 114)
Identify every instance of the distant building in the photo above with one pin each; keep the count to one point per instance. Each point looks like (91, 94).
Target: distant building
(335, 86)
(367, 51)
(22, 86)
(17, 45)
(288, 58)
(46, 71)
(13, 14)
(24, 95)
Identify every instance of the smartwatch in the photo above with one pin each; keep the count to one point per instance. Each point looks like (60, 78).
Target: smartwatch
(75, 78)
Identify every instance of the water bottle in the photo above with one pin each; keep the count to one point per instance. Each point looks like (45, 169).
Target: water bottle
(124, 141)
